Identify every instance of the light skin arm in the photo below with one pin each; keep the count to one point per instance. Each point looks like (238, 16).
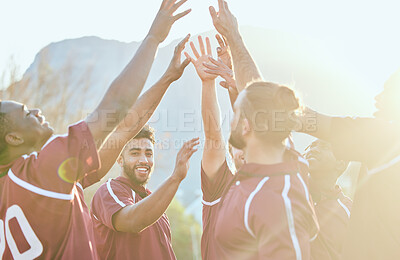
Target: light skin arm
(125, 89)
(315, 124)
(141, 111)
(214, 148)
(244, 66)
(135, 218)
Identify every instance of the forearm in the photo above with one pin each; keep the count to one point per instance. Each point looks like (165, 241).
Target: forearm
(315, 124)
(131, 125)
(137, 217)
(125, 89)
(214, 147)
(245, 68)
(210, 112)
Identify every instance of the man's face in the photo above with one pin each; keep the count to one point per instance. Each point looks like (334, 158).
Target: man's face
(321, 159)
(29, 124)
(137, 160)
(236, 138)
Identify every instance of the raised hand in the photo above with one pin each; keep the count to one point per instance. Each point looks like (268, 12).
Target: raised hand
(223, 51)
(176, 67)
(183, 157)
(224, 21)
(218, 68)
(165, 18)
(201, 59)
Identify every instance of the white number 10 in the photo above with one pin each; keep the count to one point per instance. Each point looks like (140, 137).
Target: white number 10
(36, 247)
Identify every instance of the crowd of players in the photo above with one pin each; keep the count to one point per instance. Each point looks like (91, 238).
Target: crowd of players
(278, 204)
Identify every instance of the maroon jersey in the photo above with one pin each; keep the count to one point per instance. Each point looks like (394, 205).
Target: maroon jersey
(333, 213)
(41, 215)
(152, 243)
(374, 232)
(263, 212)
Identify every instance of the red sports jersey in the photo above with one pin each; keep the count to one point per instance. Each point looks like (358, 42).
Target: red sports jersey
(333, 212)
(263, 212)
(152, 243)
(373, 232)
(41, 215)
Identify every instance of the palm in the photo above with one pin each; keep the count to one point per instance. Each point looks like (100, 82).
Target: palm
(201, 58)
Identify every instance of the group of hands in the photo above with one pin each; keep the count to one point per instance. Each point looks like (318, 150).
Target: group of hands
(207, 68)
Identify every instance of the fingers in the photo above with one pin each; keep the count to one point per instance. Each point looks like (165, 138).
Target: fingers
(224, 84)
(185, 63)
(220, 5)
(210, 66)
(220, 41)
(208, 44)
(195, 53)
(188, 57)
(201, 44)
(182, 43)
(213, 13)
(177, 5)
(213, 72)
(218, 63)
(180, 15)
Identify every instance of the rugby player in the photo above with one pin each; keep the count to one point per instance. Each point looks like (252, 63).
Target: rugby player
(373, 229)
(331, 205)
(264, 210)
(130, 221)
(42, 214)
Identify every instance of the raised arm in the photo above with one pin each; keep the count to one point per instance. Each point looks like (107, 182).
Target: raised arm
(141, 111)
(137, 217)
(244, 66)
(214, 147)
(125, 89)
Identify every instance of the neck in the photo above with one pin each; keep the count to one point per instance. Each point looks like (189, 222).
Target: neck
(15, 153)
(260, 153)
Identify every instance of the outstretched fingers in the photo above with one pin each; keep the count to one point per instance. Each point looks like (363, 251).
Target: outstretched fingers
(195, 53)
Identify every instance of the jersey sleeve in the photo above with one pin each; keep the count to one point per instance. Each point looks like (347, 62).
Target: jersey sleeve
(108, 200)
(63, 160)
(212, 190)
(368, 140)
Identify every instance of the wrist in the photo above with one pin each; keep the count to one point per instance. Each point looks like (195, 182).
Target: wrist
(175, 179)
(208, 82)
(152, 38)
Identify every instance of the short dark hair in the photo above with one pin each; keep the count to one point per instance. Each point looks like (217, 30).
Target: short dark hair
(146, 132)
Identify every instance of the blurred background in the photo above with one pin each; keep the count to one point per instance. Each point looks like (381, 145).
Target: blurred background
(62, 55)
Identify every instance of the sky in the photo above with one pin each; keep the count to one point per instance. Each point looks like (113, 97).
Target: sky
(365, 32)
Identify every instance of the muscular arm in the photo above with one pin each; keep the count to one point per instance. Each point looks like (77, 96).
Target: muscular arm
(135, 218)
(141, 111)
(214, 148)
(125, 89)
(243, 64)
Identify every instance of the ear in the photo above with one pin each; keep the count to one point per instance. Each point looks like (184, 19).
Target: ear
(120, 161)
(246, 127)
(14, 139)
(341, 166)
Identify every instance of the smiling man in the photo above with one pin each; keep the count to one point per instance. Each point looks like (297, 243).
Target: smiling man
(130, 221)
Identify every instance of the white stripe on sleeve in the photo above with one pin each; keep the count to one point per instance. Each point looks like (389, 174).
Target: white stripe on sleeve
(113, 195)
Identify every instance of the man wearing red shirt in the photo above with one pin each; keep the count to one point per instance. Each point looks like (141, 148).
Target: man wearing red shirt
(130, 221)
(42, 214)
(264, 211)
(331, 205)
(373, 231)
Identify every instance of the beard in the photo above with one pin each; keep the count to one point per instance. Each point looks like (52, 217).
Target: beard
(131, 173)
(236, 139)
